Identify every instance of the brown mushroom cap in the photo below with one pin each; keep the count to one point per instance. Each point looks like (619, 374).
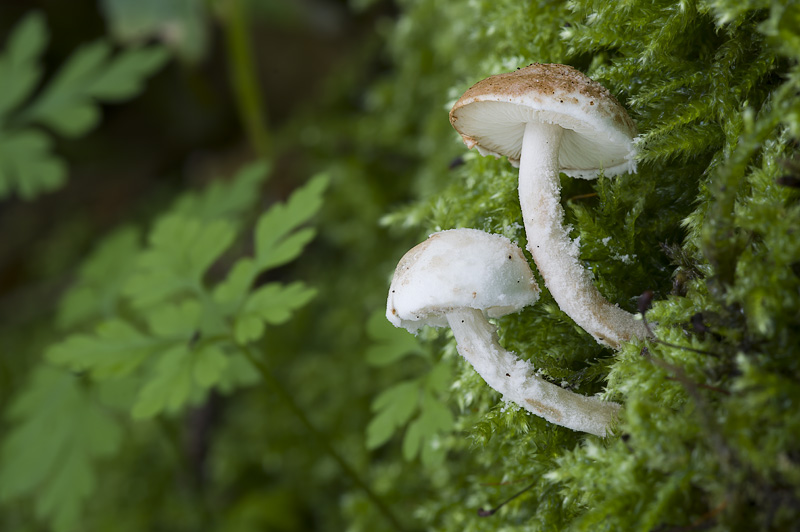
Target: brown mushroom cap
(598, 134)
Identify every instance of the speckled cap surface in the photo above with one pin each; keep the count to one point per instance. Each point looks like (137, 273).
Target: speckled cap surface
(457, 269)
(491, 116)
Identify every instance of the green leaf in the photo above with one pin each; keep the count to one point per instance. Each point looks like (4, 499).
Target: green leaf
(248, 328)
(124, 77)
(98, 287)
(73, 120)
(27, 164)
(169, 387)
(19, 65)
(184, 367)
(69, 104)
(181, 25)
(175, 322)
(210, 364)
(238, 373)
(48, 455)
(65, 98)
(412, 441)
(179, 253)
(272, 304)
(394, 408)
(236, 286)
(116, 349)
(288, 249)
(390, 343)
(439, 378)
(274, 243)
(180, 374)
(225, 198)
(422, 433)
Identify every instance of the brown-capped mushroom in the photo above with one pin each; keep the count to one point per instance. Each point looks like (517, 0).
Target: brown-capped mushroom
(546, 119)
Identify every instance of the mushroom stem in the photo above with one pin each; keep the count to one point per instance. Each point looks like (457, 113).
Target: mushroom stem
(516, 379)
(555, 254)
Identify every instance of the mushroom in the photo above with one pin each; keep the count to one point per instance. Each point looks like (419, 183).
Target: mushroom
(548, 118)
(458, 278)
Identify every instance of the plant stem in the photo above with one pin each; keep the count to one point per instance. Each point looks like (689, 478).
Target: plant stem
(172, 438)
(492, 511)
(323, 441)
(243, 74)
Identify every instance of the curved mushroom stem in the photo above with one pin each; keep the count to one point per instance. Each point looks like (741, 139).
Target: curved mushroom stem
(516, 379)
(555, 254)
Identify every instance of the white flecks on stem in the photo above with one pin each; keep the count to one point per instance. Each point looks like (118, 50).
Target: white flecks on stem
(556, 255)
(516, 379)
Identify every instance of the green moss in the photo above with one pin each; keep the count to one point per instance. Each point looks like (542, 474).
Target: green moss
(706, 433)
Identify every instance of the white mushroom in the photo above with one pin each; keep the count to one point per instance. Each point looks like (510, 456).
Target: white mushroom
(548, 118)
(458, 278)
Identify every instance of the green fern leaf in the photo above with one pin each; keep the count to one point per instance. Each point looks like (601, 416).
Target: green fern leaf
(100, 280)
(180, 251)
(186, 368)
(390, 343)
(180, 375)
(272, 304)
(69, 104)
(116, 349)
(210, 365)
(186, 365)
(19, 65)
(123, 77)
(28, 165)
(225, 198)
(58, 435)
(181, 25)
(394, 407)
(235, 287)
(103, 275)
(275, 242)
(239, 373)
(421, 435)
(170, 386)
(398, 405)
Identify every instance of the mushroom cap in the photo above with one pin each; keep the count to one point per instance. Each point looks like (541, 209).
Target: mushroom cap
(457, 269)
(598, 134)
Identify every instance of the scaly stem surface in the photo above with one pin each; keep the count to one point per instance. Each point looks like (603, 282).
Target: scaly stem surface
(555, 254)
(517, 381)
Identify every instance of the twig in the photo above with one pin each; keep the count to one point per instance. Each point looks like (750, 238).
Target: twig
(582, 196)
(706, 386)
(508, 483)
(644, 304)
(487, 513)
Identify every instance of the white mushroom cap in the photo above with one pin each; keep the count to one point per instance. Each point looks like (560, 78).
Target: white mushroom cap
(598, 134)
(457, 269)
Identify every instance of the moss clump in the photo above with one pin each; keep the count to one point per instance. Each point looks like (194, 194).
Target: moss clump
(709, 224)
